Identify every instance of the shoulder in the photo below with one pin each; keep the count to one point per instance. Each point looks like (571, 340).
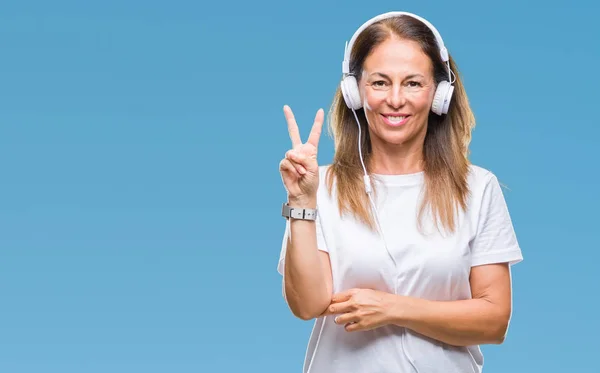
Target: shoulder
(324, 175)
(479, 177)
(484, 187)
(325, 194)
(323, 169)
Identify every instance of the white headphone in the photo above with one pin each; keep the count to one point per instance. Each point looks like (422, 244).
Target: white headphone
(349, 86)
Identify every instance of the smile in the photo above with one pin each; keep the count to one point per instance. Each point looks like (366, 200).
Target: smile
(395, 120)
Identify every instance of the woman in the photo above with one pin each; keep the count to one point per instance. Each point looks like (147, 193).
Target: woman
(401, 249)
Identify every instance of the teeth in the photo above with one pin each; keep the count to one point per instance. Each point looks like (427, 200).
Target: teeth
(395, 119)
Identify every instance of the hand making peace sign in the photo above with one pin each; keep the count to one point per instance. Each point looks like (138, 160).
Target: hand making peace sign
(299, 169)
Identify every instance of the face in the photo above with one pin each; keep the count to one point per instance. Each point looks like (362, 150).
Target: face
(397, 89)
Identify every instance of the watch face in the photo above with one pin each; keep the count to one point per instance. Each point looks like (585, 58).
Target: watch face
(285, 211)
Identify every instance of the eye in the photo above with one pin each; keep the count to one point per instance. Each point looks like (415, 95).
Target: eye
(414, 84)
(379, 84)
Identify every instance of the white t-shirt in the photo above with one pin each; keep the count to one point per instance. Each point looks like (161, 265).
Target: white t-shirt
(429, 266)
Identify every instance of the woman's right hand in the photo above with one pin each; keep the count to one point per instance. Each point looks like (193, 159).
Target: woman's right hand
(299, 168)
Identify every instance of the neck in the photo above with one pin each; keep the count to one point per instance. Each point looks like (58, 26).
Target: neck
(390, 159)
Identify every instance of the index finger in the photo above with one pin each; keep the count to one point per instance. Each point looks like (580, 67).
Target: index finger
(292, 126)
(337, 308)
(315, 133)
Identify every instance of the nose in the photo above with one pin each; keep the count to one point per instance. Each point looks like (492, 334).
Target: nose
(396, 98)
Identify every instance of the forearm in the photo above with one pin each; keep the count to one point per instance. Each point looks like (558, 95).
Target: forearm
(304, 278)
(459, 323)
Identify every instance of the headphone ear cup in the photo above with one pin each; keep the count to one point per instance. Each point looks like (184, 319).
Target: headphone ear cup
(350, 92)
(442, 98)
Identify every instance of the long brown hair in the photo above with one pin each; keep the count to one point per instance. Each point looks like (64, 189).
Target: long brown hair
(445, 151)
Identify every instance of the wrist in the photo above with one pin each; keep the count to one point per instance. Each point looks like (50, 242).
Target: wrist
(401, 309)
(302, 202)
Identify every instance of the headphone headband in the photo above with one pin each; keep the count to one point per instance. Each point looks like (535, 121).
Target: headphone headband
(348, 48)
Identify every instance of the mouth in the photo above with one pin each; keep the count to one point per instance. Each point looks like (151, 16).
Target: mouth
(395, 120)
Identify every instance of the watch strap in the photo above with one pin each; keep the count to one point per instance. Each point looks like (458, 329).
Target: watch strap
(298, 213)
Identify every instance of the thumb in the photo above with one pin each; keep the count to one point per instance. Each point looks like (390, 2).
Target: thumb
(343, 296)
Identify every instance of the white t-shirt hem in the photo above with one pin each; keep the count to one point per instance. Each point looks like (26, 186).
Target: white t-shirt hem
(511, 256)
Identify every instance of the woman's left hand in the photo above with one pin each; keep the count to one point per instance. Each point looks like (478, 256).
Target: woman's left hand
(361, 309)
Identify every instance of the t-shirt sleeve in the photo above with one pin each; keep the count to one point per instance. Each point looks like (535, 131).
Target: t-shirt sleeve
(495, 240)
(320, 242)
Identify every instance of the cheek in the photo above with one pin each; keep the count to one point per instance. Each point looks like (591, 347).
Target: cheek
(422, 99)
(373, 100)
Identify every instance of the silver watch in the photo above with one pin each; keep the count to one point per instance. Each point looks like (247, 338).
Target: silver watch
(298, 213)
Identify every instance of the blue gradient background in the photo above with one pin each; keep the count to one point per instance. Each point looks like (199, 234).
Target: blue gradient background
(140, 197)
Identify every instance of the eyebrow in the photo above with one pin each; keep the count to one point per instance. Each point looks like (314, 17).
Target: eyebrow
(408, 77)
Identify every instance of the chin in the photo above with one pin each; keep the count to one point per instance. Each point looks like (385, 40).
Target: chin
(393, 139)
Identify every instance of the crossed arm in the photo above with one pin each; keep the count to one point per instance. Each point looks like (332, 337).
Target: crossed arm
(483, 319)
